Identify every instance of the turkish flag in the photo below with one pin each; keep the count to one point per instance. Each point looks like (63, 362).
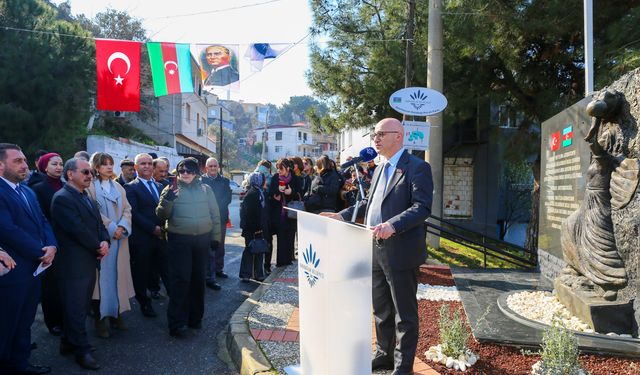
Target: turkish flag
(555, 141)
(118, 75)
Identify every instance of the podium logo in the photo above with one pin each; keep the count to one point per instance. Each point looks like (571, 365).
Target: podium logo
(310, 266)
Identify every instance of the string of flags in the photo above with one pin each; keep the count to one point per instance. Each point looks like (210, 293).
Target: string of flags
(118, 69)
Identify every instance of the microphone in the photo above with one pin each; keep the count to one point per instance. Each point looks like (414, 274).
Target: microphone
(366, 154)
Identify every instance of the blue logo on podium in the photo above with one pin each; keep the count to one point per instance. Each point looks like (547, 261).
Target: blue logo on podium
(310, 266)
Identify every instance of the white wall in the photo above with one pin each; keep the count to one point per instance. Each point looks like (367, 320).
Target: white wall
(352, 141)
(127, 150)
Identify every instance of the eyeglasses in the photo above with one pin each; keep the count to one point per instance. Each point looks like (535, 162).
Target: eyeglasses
(85, 172)
(381, 134)
(186, 171)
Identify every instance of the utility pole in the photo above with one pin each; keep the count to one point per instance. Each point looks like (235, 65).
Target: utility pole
(435, 82)
(221, 138)
(264, 135)
(588, 47)
(408, 59)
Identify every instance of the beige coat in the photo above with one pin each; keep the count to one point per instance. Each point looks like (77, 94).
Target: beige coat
(125, 282)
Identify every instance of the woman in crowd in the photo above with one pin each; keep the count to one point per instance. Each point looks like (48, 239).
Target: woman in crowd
(307, 175)
(324, 187)
(253, 221)
(114, 285)
(264, 167)
(193, 225)
(45, 182)
(284, 188)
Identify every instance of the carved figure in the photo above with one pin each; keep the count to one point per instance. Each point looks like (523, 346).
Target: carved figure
(588, 242)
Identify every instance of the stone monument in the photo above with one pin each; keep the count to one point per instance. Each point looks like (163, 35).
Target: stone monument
(600, 239)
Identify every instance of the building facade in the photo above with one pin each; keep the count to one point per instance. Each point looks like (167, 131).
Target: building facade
(296, 140)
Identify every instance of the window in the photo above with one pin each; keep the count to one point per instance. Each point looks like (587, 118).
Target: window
(187, 109)
(278, 148)
(304, 137)
(278, 136)
(299, 135)
(198, 120)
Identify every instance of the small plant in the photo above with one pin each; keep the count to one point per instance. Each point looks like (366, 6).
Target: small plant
(559, 352)
(453, 332)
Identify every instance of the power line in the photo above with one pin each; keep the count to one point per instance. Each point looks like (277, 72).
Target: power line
(217, 10)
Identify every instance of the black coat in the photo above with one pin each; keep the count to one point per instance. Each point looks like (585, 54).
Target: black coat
(143, 212)
(276, 205)
(253, 217)
(79, 231)
(406, 205)
(324, 191)
(222, 191)
(44, 191)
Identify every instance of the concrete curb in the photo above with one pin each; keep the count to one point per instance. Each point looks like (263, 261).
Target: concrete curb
(242, 347)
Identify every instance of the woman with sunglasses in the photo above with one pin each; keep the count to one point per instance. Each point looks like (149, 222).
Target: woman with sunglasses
(193, 225)
(284, 187)
(114, 286)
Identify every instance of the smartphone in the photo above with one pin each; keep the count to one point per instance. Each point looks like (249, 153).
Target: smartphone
(174, 182)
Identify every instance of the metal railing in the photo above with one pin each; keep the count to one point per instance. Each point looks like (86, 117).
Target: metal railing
(488, 246)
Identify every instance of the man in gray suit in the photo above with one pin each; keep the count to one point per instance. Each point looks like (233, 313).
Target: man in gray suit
(398, 203)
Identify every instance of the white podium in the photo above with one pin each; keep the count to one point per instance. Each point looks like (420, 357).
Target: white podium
(334, 280)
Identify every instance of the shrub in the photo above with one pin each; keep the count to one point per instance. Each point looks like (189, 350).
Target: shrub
(559, 351)
(453, 332)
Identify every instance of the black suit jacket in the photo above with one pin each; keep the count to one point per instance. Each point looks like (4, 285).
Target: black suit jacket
(79, 231)
(222, 191)
(406, 205)
(143, 212)
(21, 234)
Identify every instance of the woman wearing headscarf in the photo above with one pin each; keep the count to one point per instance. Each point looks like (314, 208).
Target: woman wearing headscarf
(253, 221)
(284, 187)
(45, 182)
(193, 226)
(114, 285)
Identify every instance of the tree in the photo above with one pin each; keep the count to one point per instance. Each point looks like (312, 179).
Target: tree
(46, 78)
(527, 53)
(299, 107)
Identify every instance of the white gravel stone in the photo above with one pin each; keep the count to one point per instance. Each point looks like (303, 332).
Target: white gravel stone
(437, 293)
(543, 307)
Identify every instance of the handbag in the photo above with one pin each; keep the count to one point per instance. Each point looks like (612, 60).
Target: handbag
(258, 246)
(296, 205)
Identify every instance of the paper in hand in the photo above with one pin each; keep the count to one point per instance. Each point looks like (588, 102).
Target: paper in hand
(41, 268)
(3, 269)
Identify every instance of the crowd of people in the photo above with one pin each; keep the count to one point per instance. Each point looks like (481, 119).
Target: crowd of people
(319, 186)
(95, 240)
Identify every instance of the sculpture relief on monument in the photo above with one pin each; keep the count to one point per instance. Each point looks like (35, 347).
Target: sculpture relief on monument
(600, 239)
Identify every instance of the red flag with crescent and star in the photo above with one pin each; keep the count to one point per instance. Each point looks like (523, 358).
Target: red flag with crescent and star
(555, 141)
(118, 75)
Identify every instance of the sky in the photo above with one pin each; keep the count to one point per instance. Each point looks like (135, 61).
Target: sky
(213, 21)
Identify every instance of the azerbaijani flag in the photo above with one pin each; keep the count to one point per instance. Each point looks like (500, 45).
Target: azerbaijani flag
(567, 136)
(170, 68)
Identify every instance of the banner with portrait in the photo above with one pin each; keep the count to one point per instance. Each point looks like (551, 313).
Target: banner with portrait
(219, 65)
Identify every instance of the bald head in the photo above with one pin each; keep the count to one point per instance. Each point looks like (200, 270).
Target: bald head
(388, 137)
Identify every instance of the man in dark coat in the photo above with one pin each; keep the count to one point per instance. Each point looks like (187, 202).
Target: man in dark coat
(83, 240)
(398, 203)
(127, 172)
(220, 186)
(27, 237)
(147, 238)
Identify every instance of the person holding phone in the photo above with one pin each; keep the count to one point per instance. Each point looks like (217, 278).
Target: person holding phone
(285, 186)
(193, 225)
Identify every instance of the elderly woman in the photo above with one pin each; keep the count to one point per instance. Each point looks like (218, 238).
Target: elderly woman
(284, 188)
(193, 225)
(114, 285)
(253, 221)
(45, 182)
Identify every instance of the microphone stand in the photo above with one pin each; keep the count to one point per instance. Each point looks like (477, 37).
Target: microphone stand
(359, 198)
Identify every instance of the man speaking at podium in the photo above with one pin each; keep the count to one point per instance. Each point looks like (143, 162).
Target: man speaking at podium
(398, 203)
